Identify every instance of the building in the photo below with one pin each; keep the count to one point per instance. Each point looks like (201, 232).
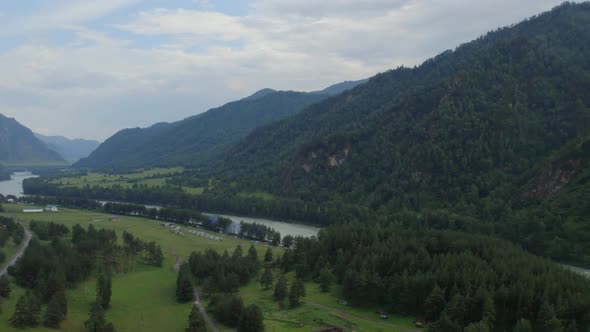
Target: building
(33, 209)
(51, 208)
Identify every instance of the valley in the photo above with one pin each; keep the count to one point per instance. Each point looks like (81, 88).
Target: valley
(447, 192)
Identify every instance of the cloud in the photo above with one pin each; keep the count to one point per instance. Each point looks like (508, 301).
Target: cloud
(146, 65)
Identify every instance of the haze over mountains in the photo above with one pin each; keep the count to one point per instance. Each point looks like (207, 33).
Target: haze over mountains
(206, 136)
(18, 144)
(71, 150)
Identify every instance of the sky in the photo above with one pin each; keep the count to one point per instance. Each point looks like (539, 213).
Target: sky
(87, 69)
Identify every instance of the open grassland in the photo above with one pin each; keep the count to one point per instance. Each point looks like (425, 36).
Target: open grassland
(144, 300)
(155, 177)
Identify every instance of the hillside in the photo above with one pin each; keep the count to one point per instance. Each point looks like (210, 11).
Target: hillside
(71, 150)
(458, 137)
(18, 144)
(203, 137)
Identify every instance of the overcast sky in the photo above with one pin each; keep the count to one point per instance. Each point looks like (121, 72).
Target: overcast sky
(86, 69)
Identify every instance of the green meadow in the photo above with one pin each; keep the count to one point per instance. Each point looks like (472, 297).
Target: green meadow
(144, 299)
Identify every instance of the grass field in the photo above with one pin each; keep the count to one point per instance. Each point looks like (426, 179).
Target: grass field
(143, 300)
(152, 178)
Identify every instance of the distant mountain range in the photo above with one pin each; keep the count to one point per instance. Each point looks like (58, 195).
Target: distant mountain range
(18, 144)
(71, 150)
(204, 137)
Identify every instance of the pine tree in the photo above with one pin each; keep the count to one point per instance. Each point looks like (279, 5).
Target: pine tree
(21, 316)
(184, 287)
(326, 279)
(196, 322)
(281, 289)
(523, 325)
(103, 290)
(266, 279)
(53, 313)
(434, 304)
(252, 253)
(237, 252)
(5, 287)
(548, 319)
(96, 321)
(252, 320)
(296, 293)
(268, 255)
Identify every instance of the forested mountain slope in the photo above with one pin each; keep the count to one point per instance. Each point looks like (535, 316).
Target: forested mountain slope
(201, 138)
(18, 144)
(463, 134)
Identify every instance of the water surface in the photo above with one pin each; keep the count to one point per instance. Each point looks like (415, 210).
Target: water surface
(14, 186)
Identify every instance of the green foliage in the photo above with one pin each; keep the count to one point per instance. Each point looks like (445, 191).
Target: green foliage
(4, 287)
(266, 280)
(184, 286)
(228, 309)
(435, 303)
(252, 320)
(281, 289)
(56, 310)
(26, 313)
(104, 290)
(96, 321)
(268, 255)
(196, 322)
(326, 279)
(296, 292)
(523, 325)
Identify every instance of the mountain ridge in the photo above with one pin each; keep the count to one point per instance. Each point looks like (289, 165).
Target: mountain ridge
(19, 144)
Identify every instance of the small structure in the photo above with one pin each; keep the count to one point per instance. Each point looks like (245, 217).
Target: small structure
(114, 218)
(330, 329)
(10, 200)
(33, 209)
(51, 208)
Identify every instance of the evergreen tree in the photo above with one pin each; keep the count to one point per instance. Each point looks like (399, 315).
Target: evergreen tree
(96, 321)
(276, 239)
(287, 241)
(296, 293)
(184, 287)
(252, 320)
(53, 313)
(4, 287)
(253, 254)
(22, 313)
(434, 304)
(477, 327)
(266, 279)
(268, 255)
(523, 325)
(326, 279)
(238, 252)
(547, 318)
(281, 289)
(196, 322)
(104, 290)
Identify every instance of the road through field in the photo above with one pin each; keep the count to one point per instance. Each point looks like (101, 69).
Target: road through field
(19, 252)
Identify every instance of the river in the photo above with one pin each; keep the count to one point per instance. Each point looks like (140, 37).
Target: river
(14, 186)
(284, 228)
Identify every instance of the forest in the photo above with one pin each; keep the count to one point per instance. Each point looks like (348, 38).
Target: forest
(451, 280)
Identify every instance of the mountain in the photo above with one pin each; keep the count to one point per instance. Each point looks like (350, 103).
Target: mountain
(201, 138)
(339, 88)
(18, 144)
(467, 140)
(71, 150)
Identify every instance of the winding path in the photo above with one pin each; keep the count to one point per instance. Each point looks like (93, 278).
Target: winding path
(204, 312)
(19, 252)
